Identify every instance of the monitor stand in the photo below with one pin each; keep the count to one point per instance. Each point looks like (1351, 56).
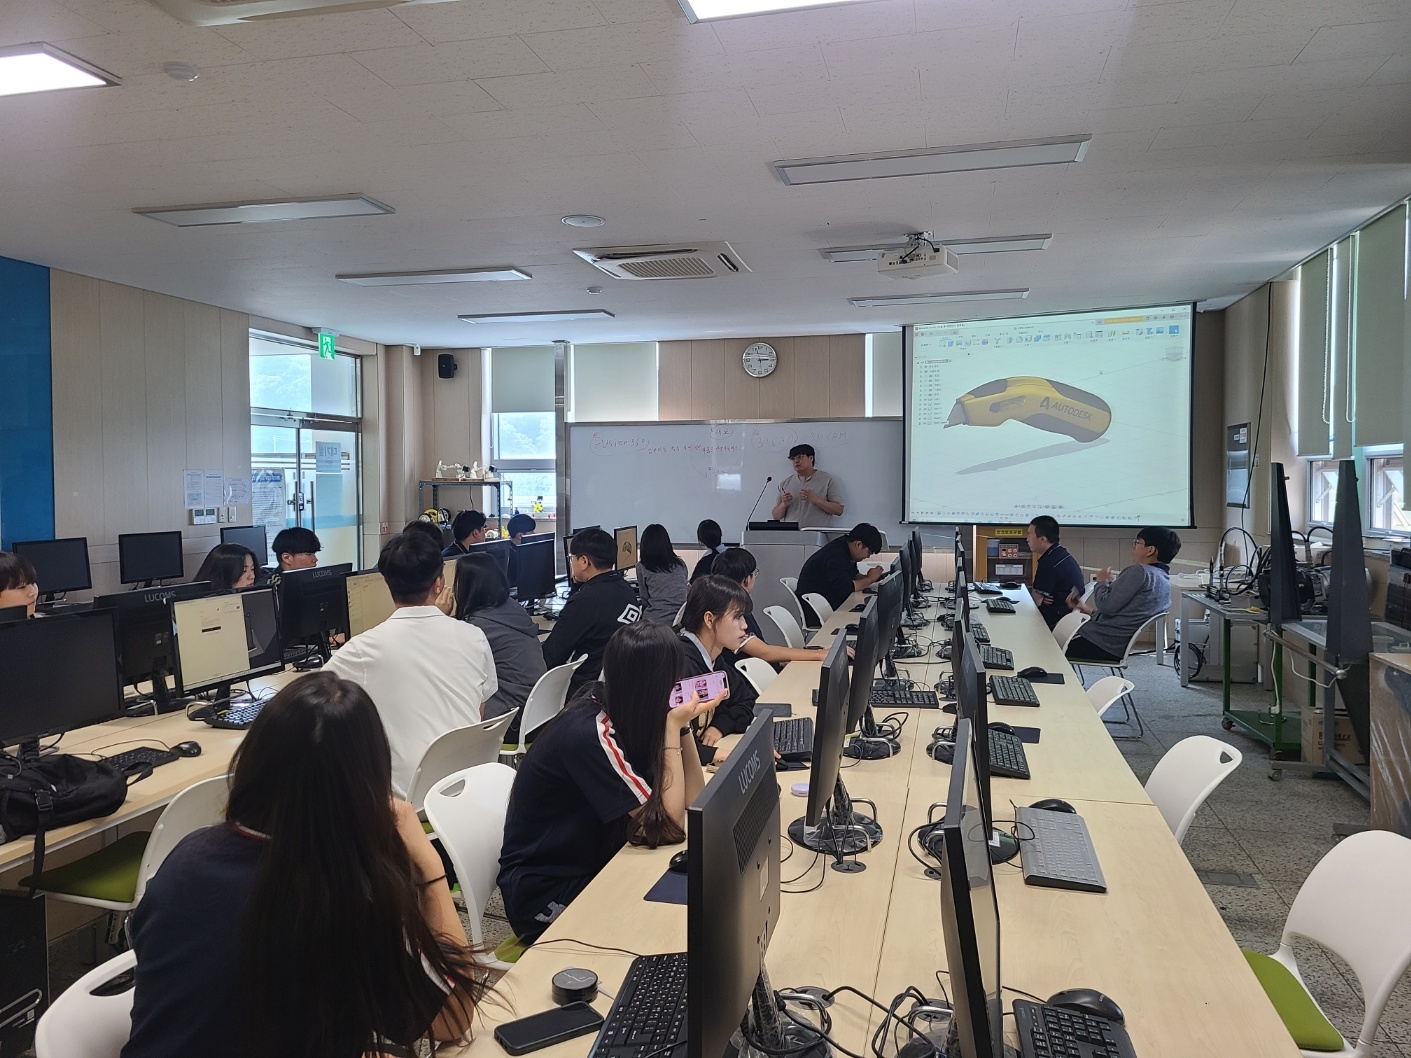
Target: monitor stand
(841, 831)
(161, 699)
(318, 653)
(870, 744)
(764, 1033)
(1003, 847)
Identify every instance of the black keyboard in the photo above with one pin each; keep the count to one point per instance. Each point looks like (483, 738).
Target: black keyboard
(1012, 690)
(137, 759)
(985, 587)
(997, 658)
(236, 718)
(649, 1014)
(1007, 758)
(1054, 1032)
(793, 739)
(904, 699)
(999, 606)
(980, 632)
(1056, 851)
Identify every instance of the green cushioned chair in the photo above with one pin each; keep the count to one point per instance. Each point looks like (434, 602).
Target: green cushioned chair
(1352, 903)
(510, 949)
(116, 876)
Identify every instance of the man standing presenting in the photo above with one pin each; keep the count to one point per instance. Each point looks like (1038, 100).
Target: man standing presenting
(1057, 572)
(808, 496)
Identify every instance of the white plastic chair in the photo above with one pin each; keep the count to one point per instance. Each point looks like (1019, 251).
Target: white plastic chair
(676, 621)
(546, 700)
(465, 747)
(1116, 668)
(79, 1024)
(467, 809)
(759, 672)
(1186, 775)
(197, 806)
(1354, 904)
(819, 605)
(1068, 626)
(1107, 690)
(791, 585)
(793, 634)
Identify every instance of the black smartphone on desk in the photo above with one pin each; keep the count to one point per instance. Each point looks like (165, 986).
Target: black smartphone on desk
(548, 1028)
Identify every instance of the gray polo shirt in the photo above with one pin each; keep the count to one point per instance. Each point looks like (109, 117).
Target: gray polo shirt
(800, 510)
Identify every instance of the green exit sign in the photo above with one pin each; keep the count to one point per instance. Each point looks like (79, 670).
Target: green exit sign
(325, 344)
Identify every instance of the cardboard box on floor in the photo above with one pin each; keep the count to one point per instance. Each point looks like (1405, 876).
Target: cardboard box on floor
(1312, 735)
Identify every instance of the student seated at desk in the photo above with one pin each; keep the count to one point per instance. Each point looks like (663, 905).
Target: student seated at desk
(609, 770)
(516, 529)
(317, 918)
(294, 548)
(467, 528)
(661, 576)
(19, 583)
(713, 630)
(832, 571)
(1056, 573)
(708, 534)
(603, 603)
(1123, 604)
(739, 565)
(427, 529)
(427, 673)
(228, 567)
(483, 599)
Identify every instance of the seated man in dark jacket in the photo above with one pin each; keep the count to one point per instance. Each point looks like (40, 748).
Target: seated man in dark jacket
(603, 603)
(832, 571)
(713, 630)
(1057, 573)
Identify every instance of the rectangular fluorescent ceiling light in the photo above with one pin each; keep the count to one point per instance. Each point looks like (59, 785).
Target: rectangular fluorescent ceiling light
(930, 160)
(539, 317)
(993, 244)
(44, 68)
(932, 299)
(705, 10)
(442, 275)
(264, 212)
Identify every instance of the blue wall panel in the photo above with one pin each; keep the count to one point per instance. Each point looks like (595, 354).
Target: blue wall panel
(26, 405)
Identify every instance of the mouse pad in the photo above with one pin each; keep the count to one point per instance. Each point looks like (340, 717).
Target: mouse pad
(670, 889)
(1028, 735)
(1052, 677)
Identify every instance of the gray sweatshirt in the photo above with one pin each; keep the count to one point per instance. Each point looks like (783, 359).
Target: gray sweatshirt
(1125, 603)
(519, 661)
(662, 594)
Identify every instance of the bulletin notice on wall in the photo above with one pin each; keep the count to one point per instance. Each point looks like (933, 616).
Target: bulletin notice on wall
(268, 501)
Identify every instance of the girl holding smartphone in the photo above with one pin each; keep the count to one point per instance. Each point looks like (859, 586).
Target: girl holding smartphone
(617, 766)
(713, 629)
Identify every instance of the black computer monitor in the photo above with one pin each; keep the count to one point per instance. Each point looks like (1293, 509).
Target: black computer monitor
(962, 559)
(145, 650)
(829, 823)
(917, 550)
(226, 638)
(61, 565)
(145, 557)
(500, 550)
(732, 887)
(252, 536)
(534, 561)
(313, 604)
(969, 912)
(870, 742)
(972, 703)
(889, 613)
(13, 613)
(56, 675)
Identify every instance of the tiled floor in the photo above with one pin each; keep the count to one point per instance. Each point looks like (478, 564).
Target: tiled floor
(1273, 831)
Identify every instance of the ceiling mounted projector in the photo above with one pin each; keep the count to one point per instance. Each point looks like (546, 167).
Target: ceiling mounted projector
(918, 259)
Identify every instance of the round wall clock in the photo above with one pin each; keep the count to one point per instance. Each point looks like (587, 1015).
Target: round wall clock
(760, 360)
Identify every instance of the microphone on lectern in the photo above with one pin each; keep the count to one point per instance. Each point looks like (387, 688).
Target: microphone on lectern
(750, 516)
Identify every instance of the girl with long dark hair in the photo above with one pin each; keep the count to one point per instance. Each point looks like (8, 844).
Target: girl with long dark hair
(316, 921)
(661, 576)
(713, 629)
(228, 567)
(483, 599)
(618, 765)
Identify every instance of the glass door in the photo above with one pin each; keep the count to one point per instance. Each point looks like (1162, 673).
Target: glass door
(306, 473)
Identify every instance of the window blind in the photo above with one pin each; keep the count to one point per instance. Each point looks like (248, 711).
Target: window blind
(614, 382)
(522, 378)
(1379, 330)
(1313, 423)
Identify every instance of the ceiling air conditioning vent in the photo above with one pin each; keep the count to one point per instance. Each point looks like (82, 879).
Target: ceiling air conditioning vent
(230, 12)
(704, 260)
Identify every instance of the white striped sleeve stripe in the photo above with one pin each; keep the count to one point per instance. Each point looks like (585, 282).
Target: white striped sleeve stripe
(618, 760)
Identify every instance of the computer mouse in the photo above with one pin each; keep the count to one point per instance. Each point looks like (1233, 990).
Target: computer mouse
(1087, 1001)
(1041, 403)
(1010, 585)
(942, 751)
(1033, 672)
(187, 749)
(999, 725)
(678, 865)
(1053, 804)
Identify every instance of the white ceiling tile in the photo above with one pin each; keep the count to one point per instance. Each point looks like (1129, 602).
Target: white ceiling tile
(542, 121)
(708, 72)
(1169, 22)
(726, 105)
(879, 18)
(632, 42)
(639, 10)
(1396, 70)
(953, 50)
(1285, 77)
(319, 34)
(452, 61)
(1234, 132)
(26, 21)
(572, 87)
(900, 89)
(467, 20)
(386, 104)
(1358, 41)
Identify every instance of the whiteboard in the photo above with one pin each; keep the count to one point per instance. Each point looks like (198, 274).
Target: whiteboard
(679, 473)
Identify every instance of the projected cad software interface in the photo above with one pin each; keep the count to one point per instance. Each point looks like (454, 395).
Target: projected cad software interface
(1084, 416)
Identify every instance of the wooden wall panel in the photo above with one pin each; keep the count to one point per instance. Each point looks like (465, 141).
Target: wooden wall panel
(164, 334)
(741, 390)
(78, 404)
(708, 380)
(777, 392)
(124, 451)
(673, 380)
(811, 371)
(847, 367)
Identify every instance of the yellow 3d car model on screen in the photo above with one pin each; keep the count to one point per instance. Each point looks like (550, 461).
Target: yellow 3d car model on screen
(1054, 407)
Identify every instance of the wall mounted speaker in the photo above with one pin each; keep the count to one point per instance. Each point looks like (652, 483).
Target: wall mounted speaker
(446, 365)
